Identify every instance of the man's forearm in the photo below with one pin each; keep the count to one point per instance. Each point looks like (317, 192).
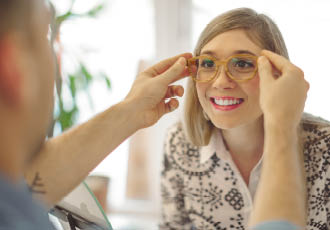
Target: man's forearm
(66, 160)
(281, 190)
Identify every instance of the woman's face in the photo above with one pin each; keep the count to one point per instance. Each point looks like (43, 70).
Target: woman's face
(223, 90)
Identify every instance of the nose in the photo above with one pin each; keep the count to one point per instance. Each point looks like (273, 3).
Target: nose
(222, 80)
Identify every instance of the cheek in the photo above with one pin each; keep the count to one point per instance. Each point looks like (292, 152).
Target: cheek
(251, 88)
(201, 91)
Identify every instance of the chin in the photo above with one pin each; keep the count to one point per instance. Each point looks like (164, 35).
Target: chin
(230, 124)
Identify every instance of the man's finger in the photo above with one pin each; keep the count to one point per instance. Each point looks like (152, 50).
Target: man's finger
(172, 105)
(174, 90)
(174, 73)
(278, 61)
(307, 85)
(164, 65)
(185, 72)
(166, 107)
(265, 70)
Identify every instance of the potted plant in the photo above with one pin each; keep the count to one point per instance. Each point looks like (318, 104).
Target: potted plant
(77, 81)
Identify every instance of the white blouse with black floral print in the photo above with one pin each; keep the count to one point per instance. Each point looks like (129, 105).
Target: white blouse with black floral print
(203, 189)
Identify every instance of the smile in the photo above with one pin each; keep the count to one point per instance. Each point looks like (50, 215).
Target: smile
(226, 103)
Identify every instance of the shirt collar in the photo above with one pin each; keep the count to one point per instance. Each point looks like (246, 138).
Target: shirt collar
(216, 146)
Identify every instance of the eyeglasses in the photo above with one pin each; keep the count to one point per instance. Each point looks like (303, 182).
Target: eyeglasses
(239, 67)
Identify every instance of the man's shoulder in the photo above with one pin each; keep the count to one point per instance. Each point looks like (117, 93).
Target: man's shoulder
(18, 210)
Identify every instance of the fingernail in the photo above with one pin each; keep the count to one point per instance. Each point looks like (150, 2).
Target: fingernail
(182, 61)
(180, 92)
(172, 107)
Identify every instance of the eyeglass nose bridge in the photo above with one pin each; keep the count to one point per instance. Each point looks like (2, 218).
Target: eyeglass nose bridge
(224, 63)
(221, 66)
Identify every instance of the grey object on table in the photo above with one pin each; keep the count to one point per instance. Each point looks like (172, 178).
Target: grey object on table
(81, 210)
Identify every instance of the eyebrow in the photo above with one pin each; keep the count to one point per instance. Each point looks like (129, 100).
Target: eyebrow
(211, 53)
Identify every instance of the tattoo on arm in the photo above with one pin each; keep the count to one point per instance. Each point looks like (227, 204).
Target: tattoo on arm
(37, 186)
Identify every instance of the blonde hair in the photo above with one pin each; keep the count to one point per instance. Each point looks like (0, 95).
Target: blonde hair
(260, 29)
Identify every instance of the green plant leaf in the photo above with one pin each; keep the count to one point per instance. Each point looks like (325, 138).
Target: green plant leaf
(72, 85)
(95, 11)
(77, 81)
(108, 82)
(85, 73)
(60, 19)
(104, 77)
(67, 118)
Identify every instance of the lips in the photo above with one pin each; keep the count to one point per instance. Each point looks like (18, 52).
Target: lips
(226, 103)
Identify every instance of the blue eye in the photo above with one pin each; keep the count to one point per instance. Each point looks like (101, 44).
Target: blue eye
(207, 63)
(242, 63)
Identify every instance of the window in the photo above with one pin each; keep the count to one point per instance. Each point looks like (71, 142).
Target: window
(114, 43)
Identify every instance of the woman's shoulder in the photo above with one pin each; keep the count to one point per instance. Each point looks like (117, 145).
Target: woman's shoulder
(309, 119)
(176, 132)
(316, 136)
(316, 144)
(314, 129)
(174, 128)
(176, 140)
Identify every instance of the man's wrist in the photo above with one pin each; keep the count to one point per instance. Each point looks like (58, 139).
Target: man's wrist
(281, 138)
(278, 130)
(129, 112)
(283, 124)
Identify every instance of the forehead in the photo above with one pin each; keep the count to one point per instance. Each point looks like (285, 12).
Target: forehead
(227, 43)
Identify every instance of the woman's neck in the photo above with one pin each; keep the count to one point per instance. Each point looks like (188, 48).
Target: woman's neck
(246, 141)
(245, 144)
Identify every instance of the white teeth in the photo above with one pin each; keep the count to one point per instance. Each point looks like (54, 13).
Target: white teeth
(226, 102)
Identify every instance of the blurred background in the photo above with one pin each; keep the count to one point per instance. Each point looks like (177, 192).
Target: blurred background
(102, 45)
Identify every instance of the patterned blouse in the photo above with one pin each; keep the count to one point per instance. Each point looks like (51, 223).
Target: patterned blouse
(202, 188)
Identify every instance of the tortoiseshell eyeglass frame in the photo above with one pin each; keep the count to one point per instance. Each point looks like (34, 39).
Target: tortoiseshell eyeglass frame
(218, 63)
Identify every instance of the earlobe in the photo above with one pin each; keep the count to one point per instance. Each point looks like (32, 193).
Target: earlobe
(10, 77)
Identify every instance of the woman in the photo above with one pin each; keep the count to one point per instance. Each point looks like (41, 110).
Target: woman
(213, 159)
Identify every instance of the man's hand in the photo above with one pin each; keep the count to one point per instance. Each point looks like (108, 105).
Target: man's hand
(89, 143)
(151, 94)
(281, 189)
(282, 95)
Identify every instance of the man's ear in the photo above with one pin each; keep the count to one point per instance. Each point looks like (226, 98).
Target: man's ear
(10, 72)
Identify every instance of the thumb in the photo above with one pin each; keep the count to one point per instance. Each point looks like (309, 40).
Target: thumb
(265, 70)
(174, 72)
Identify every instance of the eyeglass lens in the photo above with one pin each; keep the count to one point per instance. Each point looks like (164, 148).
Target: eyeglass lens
(205, 68)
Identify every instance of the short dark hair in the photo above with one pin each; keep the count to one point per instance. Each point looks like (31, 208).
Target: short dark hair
(16, 15)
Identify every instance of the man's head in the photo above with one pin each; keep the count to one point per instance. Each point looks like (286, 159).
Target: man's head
(26, 76)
